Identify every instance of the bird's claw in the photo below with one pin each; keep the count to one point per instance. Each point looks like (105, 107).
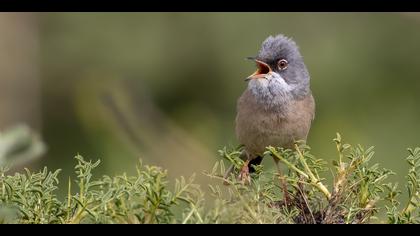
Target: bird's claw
(244, 176)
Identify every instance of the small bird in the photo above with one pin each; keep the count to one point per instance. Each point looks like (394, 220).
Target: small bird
(277, 108)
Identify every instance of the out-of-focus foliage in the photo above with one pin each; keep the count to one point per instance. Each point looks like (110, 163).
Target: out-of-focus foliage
(19, 145)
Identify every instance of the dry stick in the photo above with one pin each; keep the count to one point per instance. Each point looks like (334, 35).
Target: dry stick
(307, 204)
(283, 184)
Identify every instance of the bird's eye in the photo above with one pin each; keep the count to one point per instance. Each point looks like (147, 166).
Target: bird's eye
(282, 64)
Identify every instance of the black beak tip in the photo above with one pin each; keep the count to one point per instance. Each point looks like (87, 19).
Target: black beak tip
(251, 58)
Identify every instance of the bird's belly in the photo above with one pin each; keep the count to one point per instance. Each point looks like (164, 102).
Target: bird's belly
(257, 128)
(259, 137)
(259, 131)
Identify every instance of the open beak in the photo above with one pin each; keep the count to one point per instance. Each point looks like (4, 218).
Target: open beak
(262, 70)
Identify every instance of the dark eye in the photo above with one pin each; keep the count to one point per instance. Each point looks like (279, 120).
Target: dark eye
(282, 64)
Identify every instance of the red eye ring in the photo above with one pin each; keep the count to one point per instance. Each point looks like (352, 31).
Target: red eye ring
(282, 64)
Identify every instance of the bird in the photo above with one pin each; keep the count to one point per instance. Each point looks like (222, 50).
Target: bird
(277, 108)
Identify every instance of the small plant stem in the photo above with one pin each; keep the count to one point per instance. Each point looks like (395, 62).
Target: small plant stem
(247, 207)
(409, 206)
(188, 216)
(283, 184)
(3, 186)
(307, 204)
(305, 165)
(76, 219)
(314, 180)
(310, 176)
(69, 199)
(193, 210)
(290, 165)
(82, 186)
(340, 154)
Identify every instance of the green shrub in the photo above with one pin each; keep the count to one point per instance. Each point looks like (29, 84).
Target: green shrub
(300, 195)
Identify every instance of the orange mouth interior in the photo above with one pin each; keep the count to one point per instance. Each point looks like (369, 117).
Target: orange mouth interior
(262, 69)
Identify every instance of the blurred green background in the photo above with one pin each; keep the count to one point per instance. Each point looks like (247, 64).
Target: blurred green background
(163, 86)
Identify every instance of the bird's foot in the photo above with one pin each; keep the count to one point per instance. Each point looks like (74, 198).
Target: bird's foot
(244, 176)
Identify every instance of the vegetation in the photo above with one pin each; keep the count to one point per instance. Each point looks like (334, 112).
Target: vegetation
(358, 193)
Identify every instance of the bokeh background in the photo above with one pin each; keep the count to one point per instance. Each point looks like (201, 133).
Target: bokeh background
(163, 86)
